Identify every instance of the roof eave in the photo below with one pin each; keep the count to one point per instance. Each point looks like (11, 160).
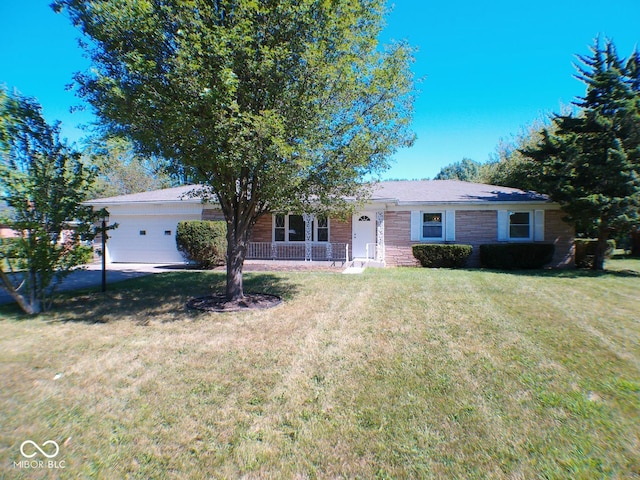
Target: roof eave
(473, 202)
(138, 202)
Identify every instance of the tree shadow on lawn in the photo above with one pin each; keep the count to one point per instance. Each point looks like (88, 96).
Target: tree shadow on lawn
(574, 273)
(160, 296)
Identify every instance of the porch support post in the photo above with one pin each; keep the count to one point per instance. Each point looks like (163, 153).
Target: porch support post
(380, 236)
(308, 235)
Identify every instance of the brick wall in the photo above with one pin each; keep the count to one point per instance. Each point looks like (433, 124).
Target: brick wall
(212, 214)
(474, 227)
(397, 239)
(340, 231)
(263, 229)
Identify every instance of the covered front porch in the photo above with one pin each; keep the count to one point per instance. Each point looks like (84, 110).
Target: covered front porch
(306, 237)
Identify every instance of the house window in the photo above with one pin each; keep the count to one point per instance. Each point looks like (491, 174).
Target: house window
(291, 228)
(279, 228)
(520, 225)
(296, 228)
(322, 229)
(143, 232)
(167, 233)
(432, 225)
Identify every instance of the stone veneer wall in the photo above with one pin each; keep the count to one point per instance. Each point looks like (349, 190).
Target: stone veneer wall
(473, 227)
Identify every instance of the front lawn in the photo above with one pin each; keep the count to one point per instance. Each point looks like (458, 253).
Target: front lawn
(396, 373)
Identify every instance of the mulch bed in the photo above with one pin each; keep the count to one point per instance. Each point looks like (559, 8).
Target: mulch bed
(219, 303)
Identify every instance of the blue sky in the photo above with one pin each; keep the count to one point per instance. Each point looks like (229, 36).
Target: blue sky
(488, 68)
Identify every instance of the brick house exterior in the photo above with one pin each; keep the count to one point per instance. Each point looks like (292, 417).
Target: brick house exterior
(398, 215)
(474, 227)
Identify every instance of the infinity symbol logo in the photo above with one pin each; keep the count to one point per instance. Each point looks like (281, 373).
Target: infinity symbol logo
(35, 445)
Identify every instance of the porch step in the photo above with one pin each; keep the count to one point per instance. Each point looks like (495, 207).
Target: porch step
(353, 270)
(357, 265)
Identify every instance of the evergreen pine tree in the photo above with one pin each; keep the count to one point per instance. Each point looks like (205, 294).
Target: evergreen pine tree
(591, 163)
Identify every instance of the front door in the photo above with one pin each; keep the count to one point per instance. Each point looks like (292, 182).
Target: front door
(363, 233)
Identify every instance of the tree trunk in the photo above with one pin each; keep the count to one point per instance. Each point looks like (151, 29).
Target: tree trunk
(236, 253)
(635, 242)
(235, 262)
(601, 247)
(26, 307)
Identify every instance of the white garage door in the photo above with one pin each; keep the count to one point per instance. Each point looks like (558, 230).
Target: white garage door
(145, 239)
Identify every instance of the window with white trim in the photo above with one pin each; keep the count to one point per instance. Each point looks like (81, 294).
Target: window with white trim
(322, 229)
(520, 225)
(295, 228)
(291, 228)
(432, 225)
(279, 228)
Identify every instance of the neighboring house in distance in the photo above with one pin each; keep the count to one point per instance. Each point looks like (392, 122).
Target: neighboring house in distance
(398, 215)
(5, 230)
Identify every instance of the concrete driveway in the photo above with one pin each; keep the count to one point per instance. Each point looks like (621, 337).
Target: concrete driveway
(92, 276)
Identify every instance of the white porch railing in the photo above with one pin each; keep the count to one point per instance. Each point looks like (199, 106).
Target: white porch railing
(371, 251)
(318, 251)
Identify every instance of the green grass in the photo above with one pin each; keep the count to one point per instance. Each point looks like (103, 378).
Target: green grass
(397, 373)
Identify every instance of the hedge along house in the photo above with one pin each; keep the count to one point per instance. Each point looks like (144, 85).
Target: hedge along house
(398, 215)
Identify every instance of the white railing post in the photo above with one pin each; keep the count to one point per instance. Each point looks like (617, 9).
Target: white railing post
(379, 236)
(308, 236)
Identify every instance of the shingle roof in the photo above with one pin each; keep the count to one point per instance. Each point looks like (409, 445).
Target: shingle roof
(450, 191)
(166, 195)
(400, 192)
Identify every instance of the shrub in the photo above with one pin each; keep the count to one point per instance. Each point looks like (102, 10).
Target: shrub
(79, 254)
(85, 254)
(586, 251)
(438, 255)
(202, 242)
(511, 256)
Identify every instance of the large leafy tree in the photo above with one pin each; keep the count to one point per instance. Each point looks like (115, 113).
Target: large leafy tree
(43, 184)
(510, 167)
(466, 170)
(590, 164)
(272, 104)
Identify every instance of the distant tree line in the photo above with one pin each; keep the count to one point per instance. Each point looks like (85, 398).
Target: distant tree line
(508, 166)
